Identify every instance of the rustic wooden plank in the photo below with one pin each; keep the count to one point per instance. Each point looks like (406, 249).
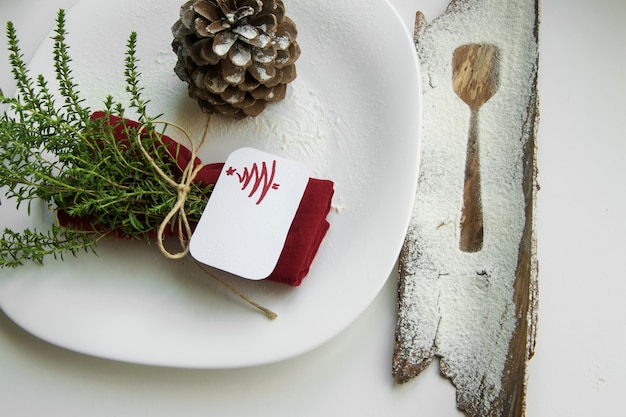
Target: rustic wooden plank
(475, 310)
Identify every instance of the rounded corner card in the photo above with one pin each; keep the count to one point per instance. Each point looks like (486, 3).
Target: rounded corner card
(248, 216)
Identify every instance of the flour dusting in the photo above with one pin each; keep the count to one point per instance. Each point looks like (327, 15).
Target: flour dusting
(452, 304)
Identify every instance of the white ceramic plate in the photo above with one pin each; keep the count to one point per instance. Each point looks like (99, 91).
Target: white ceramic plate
(352, 116)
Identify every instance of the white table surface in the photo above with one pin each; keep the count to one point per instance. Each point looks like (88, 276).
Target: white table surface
(579, 367)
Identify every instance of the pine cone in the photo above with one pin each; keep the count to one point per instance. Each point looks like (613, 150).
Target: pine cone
(235, 55)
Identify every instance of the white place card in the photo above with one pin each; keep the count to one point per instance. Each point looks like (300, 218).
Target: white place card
(246, 220)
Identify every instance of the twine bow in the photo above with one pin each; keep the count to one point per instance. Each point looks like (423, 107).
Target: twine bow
(182, 188)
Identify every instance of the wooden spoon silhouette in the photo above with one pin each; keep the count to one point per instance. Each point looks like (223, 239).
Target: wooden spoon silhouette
(475, 73)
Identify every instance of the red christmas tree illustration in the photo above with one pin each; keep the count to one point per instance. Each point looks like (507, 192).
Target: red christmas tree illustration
(256, 178)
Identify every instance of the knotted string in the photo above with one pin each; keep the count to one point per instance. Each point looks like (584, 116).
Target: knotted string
(183, 188)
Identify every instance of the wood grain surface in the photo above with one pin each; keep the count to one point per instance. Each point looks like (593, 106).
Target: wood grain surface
(473, 305)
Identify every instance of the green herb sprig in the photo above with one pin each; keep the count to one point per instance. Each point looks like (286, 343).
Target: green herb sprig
(51, 151)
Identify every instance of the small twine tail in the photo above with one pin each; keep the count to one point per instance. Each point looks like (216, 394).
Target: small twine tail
(268, 313)
(178, 211)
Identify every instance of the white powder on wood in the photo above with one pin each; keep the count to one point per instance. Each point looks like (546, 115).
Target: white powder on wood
(453, 304)
(282, 42)
(262, 73)
(241, 57)
(222, 47)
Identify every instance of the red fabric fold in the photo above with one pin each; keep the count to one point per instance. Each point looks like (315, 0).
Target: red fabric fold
(305, 234)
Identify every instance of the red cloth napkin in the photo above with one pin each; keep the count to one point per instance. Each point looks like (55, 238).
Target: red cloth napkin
(307, 229)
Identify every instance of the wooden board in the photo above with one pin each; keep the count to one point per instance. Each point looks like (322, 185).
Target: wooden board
(475, 310)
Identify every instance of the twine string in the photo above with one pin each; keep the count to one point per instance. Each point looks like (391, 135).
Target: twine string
(183, 188)
(268, 313)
